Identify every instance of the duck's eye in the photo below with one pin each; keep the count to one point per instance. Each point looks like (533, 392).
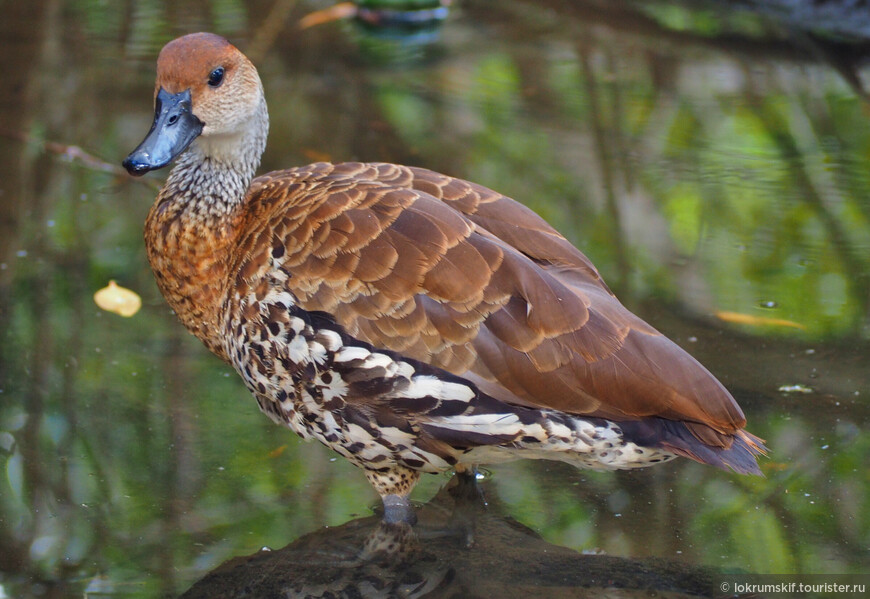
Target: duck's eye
(216, 77)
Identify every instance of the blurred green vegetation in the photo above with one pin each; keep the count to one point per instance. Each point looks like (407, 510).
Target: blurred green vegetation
(698, 178)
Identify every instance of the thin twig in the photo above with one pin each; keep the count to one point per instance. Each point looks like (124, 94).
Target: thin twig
(76, 154)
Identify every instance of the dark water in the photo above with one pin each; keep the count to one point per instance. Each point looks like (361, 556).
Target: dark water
(714, 165)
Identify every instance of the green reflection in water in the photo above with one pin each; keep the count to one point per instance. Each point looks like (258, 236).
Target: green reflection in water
(697, 180)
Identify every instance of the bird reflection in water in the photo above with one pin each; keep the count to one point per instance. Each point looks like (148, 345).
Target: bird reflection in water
(462, 546)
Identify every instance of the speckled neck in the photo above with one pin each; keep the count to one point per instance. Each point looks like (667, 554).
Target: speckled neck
(212, 177)
(194, 223)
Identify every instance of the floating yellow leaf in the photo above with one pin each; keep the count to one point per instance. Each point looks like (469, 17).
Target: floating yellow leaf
(758, 321)
(316, 155)
(277, 451)
(775, 466)
(117, 299)
(342, 10)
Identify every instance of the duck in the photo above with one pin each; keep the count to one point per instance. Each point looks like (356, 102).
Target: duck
(411, 321)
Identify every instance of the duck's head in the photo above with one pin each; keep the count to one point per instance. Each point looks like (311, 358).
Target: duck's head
(207, 89)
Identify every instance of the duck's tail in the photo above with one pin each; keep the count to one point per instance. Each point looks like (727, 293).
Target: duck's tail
(737, 452)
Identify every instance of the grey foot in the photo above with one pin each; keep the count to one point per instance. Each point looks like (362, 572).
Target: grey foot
(398, 510)
(469, 502)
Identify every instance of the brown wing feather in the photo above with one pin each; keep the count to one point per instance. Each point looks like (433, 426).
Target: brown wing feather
(456, 275)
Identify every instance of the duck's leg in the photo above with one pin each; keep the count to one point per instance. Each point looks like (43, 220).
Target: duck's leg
(394, 486)
(460, 468)
(467, 487)
(469, 502)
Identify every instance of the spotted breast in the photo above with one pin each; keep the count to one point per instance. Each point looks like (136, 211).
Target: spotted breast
(411, 321)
